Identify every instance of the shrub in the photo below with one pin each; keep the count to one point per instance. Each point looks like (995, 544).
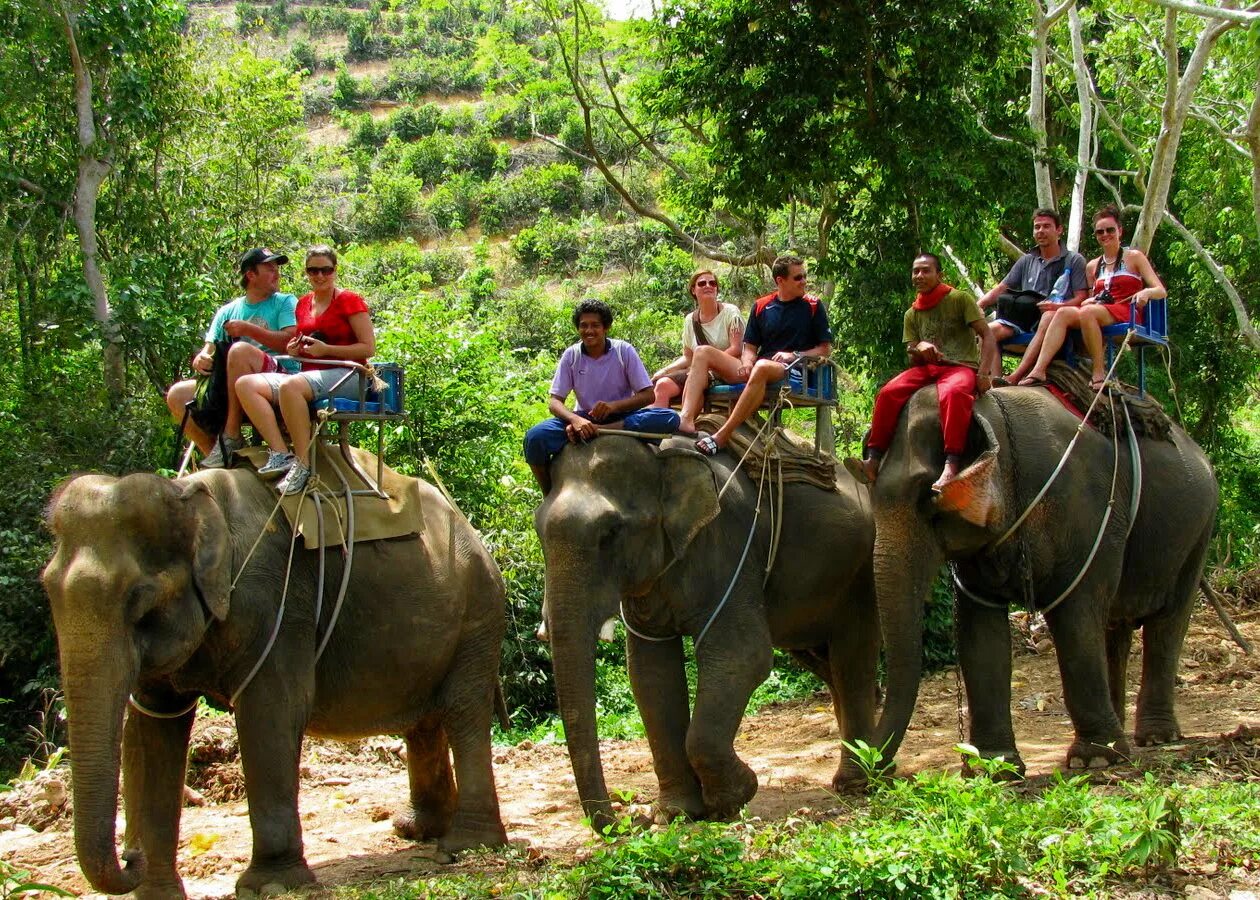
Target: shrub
(551, 246)
(347, 93)
(515, 200)
(455, 202)
(388, 208)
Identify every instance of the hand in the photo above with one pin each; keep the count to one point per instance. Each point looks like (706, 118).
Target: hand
(313, 347)
(294, 347)
(743, 372)
(236, 328)
(203, 363)
(1142, 298)
(581, 430)
(927, 352)
(1048, 305)
(986, 302)
(601, 411)
(983, 384)
(787, 357)
(1089, 301)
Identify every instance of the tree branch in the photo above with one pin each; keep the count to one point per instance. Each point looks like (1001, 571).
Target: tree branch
(962, 270)
(32, 188)
(1245, 327)
(1237, 16)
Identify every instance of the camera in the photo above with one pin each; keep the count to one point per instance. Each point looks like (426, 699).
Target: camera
(1105, 297)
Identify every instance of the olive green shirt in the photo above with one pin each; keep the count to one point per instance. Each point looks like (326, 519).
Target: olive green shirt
(948, 326)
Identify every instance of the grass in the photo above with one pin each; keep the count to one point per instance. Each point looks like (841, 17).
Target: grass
(934, 835)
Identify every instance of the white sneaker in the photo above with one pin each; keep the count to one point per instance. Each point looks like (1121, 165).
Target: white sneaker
(224, 449)
(295, 481)
(277, 464)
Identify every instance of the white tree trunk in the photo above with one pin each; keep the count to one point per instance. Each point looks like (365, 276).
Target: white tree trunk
(1085, 135)
(94, 166)
(1037, 108)
(1252, 138)
(1178, 95)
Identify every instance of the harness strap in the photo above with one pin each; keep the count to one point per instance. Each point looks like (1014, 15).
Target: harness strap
(153, 714)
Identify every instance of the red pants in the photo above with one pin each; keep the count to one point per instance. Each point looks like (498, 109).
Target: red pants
(955, 391)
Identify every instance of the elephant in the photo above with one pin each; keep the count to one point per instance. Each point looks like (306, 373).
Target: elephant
(1144, 574)
(158, 599)
(630, 527)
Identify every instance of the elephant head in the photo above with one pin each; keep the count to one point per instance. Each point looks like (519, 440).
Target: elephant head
(918, 530)
(620, 512)
(140, 571)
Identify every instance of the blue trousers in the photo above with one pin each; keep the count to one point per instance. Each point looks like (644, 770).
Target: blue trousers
(547, 438)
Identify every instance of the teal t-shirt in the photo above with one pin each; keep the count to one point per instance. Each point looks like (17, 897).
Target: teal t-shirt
(276, 313)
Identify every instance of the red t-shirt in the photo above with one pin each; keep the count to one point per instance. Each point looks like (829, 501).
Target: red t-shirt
(333, 327)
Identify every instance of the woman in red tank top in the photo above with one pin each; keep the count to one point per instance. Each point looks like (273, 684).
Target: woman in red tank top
(1120, 275)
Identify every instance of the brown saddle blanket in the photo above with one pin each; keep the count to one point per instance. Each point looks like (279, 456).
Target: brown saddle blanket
(1148, 416)
(374, 518)
(790, 454)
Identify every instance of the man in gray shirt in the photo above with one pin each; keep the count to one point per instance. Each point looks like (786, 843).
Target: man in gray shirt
(1037, 270)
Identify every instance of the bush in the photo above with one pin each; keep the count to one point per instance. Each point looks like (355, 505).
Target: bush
(388, 208)
(551, 247)
(347, 93)
(512, 201)
(455, 203)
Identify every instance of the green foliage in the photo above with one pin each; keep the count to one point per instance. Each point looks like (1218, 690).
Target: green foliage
(514, 200)
(552, 246)
(388, 208)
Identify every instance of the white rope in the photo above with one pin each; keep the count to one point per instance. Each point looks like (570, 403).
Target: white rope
(1080, 429)
(141, 708)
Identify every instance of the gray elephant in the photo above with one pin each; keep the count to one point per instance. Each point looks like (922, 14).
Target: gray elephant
(1144, 572)
(141, 587)
(628, 526)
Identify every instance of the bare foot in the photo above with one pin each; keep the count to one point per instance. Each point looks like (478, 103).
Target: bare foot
(948, 474)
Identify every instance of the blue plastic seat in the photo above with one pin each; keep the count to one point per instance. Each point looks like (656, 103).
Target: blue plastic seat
(370, 406)
(1153, 331)
(811, 383)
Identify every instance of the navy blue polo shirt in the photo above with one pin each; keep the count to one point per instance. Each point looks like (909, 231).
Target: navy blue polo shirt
(793, 326)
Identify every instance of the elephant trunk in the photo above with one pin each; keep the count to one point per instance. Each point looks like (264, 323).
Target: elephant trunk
(96, 699)
(573, 622)
(907, 559)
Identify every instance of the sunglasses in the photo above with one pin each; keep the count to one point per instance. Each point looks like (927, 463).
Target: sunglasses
(320, 270)
(1101, 231)
(707, 282)
(798, 277)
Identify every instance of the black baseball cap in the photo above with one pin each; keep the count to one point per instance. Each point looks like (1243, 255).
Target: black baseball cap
(260, 255)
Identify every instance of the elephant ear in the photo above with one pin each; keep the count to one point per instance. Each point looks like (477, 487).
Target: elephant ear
(974, 494)
(689, 496)
(210, 558)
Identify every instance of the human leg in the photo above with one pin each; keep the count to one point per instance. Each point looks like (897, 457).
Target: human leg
(664, 391)
(1029, 359)
(295, 399)
(651, 420)
(889, 401)
(956, 394)
(1054, 336)
(177, 398)
(243, 359)
(1092, 321)
(258, 395)
(765, 372)
(703, 361)
(542, 442)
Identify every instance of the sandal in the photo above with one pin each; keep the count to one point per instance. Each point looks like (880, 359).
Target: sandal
(1097, 384)
(707, 446)
(1032, 381)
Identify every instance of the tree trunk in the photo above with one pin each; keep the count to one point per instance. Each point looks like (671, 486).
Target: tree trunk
(93, 168)
(1085, 134)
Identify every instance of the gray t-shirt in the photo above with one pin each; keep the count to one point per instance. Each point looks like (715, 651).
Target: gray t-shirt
(1033, 272)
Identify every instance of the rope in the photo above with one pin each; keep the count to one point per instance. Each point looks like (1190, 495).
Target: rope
(347, 548)
(141, 708)
(1045, 488)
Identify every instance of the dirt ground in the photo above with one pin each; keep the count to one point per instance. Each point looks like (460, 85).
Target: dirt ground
(349, 792)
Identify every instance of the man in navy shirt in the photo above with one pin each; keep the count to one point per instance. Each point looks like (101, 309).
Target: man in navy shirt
(781, 327)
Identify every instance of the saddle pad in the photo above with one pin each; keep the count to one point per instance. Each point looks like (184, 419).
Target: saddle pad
(374, 518)
(799, 464)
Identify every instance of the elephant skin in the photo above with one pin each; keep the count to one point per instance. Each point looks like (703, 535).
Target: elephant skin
(626, 523)
(1144, 574)
(141, 588)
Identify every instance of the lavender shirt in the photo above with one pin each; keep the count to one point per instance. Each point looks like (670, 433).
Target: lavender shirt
(614, 376)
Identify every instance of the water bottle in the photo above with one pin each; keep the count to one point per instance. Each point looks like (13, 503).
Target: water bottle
(1059, 293)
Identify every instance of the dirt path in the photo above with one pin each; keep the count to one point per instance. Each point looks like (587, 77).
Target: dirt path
(349, 793)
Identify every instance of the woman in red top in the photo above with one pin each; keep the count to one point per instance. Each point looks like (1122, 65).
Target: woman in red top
(1122, 274)
(332, 324)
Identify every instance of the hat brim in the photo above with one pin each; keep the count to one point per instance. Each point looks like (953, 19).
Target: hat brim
(278, 258)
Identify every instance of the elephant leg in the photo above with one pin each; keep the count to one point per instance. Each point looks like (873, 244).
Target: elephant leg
(155, 755)
(659, 680)
(1119, 639)
(269, 723)
(984, 653)
(468, 700)
(732, 660)
(853, 658)
(433, 794)
(1080, 636)
(1162, 639)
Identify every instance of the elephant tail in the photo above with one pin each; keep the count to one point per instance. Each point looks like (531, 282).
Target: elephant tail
(500, 706)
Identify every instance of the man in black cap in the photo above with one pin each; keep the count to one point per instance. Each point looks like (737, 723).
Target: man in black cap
(260, 323)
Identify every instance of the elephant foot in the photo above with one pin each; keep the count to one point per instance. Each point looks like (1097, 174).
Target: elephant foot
(669, 807)
(1151, 734)
(1012, 770)
(468, 834)
(155, 889)
(725, 799)
(422, 825)
(850, 778)
(1088, 755)
(262, 881)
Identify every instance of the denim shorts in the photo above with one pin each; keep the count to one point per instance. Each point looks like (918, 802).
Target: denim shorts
(324, 383)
